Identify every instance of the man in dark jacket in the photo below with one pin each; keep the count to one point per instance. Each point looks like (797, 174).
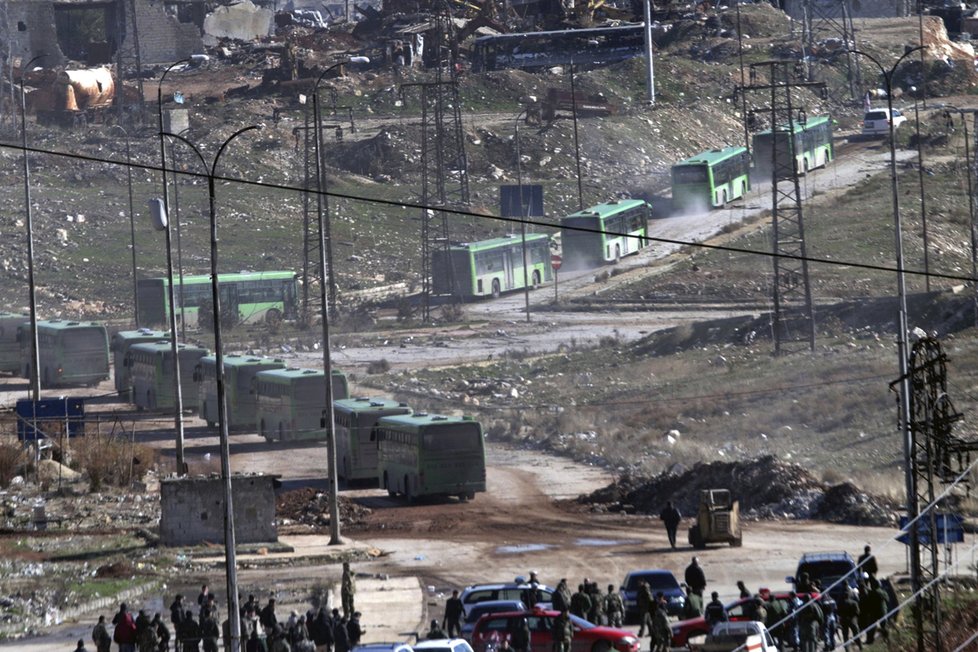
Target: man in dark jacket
(267, 616)
(580, 602)
(867, 562)
(125, 629)
(322, 631)
(695, 577)
(100, 636)
(354, 630)
(452, 621)
(561, 596)
(341, 636)
(520, 638)
(715, 611)
(671, 517)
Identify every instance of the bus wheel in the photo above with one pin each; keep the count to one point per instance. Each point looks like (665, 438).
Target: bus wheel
(273, 317)
(536, 278)
(495, 288)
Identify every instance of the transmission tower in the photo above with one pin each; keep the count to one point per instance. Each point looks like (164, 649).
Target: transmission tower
(444, 168)
(792, 295)
(939, 457)
(824, 19)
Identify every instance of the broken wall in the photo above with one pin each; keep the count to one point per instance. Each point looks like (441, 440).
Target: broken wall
(192, 510)
(33, 32)
(162, 38)
(242, 21)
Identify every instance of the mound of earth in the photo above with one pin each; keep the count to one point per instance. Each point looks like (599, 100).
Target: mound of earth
(766, 488)
(309, 507)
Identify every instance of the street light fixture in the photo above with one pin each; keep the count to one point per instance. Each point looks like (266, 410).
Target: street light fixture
(132, 227)
(322, 199)
(523, 211)
(902, 327)
(222, 416)
(328, 303)
(28, 218)
(177, 392)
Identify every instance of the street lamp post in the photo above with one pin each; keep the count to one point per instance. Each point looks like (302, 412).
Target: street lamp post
(904, 380)
(322, 199)
(577, 145)
(177, 393)
(328, 300)
(523, 212)
(222, 416)
(132, 228)
(28, 218)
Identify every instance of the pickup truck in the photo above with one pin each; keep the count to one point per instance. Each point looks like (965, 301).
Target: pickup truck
(742, 636)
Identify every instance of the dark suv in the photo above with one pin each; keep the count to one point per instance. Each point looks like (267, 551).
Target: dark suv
(827, 568)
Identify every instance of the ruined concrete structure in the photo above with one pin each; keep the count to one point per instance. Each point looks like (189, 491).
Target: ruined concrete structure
(860, 8)
(192, 510)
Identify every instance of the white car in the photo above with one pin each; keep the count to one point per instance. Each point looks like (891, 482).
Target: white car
(875, 122)
(443, 645)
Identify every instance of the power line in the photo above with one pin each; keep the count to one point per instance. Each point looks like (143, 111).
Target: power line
(498, 218)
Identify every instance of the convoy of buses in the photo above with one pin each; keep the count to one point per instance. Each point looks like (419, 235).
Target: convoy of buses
(407, 453)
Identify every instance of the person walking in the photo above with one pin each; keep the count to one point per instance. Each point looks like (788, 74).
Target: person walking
(596, 613)
(520, 638)
(580, 602)
(348, 590)
(100, 636)
(661, 631)
(146, 638)
(561, 597)
(354, 630)
(614, 608)
(209, 632)
(125, 629)
(645, 604)
(695, 577)
(563, 632)
(189, 633)
(322, 631)
(341, 636)
(810, 619)
(162, 633)
(875, 608)
(777, 611)
(267, 616)
(671, 517)
(830, 610)
(867, 562)
(452, 620)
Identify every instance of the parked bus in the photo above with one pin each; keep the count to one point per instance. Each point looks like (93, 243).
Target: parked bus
(538, 50)
(239, 388)
(9, 344)
(810, 146)
(430, 455)
(151, 368)
(711, 179)
(490, 267)
(121, 343)
(70, 352)
(252, 296)
(356, 444)
(291, 401)
(611, 230)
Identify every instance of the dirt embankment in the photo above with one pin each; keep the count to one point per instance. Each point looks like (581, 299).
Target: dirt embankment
(766, 488)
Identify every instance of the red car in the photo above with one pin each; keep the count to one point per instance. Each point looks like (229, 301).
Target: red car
(492, 629)
(736, 610)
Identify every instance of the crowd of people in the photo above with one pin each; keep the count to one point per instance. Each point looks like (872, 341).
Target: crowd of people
(318, 630)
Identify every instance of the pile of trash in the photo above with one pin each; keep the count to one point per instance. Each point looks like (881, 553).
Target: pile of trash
(766, 487)
(309, 508)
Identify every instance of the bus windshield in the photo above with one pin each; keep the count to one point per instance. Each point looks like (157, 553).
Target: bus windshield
(86, 339)
(460, 438)
(690, 174)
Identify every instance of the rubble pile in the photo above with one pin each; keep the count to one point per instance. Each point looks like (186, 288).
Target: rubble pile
(310, 508)
(766, 488)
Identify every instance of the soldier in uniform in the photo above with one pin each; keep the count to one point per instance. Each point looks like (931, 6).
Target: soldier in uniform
(520, 638)
(810, 620)
(348, 590)
(580, 603)
(646, 604)
(661, 631)
(614, 608)
(849, 619)
(596, 613)
(561, 597)
(563, 632)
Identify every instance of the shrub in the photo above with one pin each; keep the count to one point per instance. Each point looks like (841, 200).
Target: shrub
(379, 366)
(112, 460)
(11, 459)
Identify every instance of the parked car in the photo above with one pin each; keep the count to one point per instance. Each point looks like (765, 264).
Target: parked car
(876, 122)
(480, 609)
(736, 612)
(588, 637)
(506, 591)
(443, 645)
(383, 647)
(732, 636)
(827, 568)
(660, 581)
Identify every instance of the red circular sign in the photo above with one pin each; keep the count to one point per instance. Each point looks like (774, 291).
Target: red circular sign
(555, 261)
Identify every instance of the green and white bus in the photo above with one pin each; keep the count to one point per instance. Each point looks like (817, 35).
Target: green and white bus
(711, 179)
(356, 443)
(70, 352)
(121, 342)
(611, 230)
(252, 296)
(430, 455)
(9, 344)
(291, 402)
(490, 267)
(810, 146)
(239, 388)
(151, 368)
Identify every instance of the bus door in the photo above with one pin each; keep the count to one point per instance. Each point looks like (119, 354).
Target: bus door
(229, 299)
(508, 269)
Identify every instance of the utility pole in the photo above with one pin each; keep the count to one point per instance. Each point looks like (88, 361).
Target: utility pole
(791, 284)
(649, 66)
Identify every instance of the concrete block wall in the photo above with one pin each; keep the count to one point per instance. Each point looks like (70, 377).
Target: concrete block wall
(33, 32)
(192, 510)
(162, 38)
